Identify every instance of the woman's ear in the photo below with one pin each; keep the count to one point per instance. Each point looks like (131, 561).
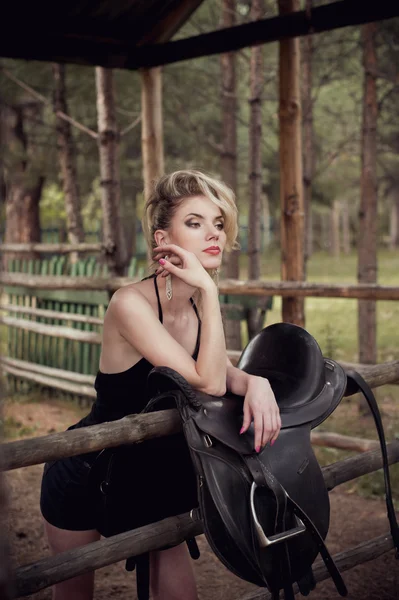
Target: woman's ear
(160, 237)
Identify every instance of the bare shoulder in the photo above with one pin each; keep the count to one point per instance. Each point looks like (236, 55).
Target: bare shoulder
(132, 299)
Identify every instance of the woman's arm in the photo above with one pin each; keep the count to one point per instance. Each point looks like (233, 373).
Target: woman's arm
(259, 404)
(136, 322)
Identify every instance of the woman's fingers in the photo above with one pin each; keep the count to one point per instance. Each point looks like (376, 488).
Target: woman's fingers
(258, 428)
(161, 251)
(175, 260)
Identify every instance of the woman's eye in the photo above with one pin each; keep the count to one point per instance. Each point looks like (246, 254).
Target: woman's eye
(193, 224)
(220, 225)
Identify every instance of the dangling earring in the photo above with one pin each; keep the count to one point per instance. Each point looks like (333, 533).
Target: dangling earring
(215, 276)
(169, 292)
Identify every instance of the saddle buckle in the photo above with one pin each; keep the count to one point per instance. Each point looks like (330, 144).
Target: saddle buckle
(207, 441)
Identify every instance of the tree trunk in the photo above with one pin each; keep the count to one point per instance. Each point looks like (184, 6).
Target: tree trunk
(291, 178)
(113, 236)
(334, 229)
(307, 121)
(151, 127)
(254, 316)
(229, 155)
(394, 223)
(367, 244)
(67, 158)
(266, 219)
(23, 189)
(346, 239)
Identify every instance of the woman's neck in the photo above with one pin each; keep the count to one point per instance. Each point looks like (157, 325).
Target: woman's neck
(181, 294)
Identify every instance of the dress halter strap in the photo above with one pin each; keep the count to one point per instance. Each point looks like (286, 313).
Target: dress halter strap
(160, 313)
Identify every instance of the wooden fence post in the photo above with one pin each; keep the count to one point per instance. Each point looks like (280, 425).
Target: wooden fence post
(291, 180)
(151, 127)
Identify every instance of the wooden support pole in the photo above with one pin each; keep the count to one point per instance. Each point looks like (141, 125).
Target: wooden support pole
(151, 127)
(108, 146)
(368, 219)
(291, 179)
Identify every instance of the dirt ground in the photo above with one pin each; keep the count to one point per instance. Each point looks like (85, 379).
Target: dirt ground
(353, 520)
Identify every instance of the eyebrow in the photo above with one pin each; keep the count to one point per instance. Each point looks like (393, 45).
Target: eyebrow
(201, 217)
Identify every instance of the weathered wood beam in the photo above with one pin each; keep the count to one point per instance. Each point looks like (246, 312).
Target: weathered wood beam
(226, 286)
(356, 466)
(25, 365)
(52, 382)
(307, 289)
(330, 439)
(165, 28)
(344, 560)
(59, 331)
(52, 248)
(48, 571)
(57, 44)
(130, 429)
(51, 314)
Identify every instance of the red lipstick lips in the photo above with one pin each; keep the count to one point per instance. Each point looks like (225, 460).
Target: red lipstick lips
(213, 250)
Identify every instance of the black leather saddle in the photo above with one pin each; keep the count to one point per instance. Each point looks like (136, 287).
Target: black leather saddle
(266, 516)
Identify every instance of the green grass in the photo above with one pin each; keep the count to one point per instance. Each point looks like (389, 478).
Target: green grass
(333, 321)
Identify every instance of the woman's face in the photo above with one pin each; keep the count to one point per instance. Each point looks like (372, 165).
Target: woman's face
(198, 226)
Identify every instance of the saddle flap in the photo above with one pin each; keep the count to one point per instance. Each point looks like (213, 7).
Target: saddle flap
(221, 418)
(218, 417)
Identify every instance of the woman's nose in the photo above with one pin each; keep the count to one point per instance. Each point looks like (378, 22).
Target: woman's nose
(213, 233)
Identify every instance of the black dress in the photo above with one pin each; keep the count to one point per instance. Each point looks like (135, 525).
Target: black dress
(162, 473)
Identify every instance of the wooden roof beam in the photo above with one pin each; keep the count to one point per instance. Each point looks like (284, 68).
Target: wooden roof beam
(166, 28)
(331, 16)
(44, 45)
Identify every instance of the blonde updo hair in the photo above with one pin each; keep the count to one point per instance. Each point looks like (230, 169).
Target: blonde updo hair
(170, 191)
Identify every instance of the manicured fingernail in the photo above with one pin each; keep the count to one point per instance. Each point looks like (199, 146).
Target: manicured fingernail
(162, 261)
(242, 430)
(272, 442)
(257, 449)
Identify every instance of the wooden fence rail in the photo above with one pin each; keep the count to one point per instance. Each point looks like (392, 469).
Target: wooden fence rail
(48, 571)
(227, 286)
(59, 331)
(130, 429)
(52, 248)
(51, 314)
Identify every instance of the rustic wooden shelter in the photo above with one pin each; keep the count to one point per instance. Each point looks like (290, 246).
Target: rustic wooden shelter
(132, 34)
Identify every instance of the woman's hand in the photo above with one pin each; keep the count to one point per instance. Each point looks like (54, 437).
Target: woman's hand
(261, 406)
(189, 270)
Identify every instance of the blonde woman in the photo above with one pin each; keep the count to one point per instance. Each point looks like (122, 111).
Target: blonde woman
(169, 319)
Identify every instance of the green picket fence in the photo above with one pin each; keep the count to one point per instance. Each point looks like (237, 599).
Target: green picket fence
(42, 349)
